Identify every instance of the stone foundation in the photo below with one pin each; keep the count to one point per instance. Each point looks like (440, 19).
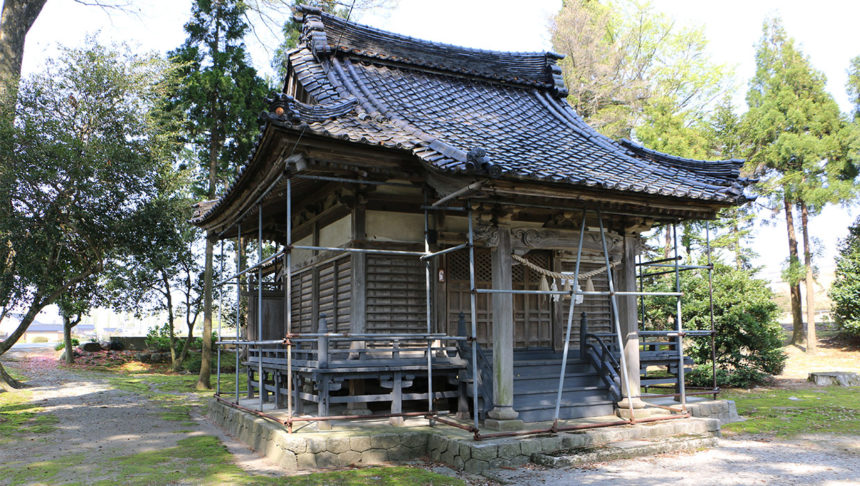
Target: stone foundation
(722, 410)
(374, 442)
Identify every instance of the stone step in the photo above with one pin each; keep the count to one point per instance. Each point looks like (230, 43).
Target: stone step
(580, 410)
(624, 449)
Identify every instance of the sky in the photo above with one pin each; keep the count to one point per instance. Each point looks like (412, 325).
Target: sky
(826, 31)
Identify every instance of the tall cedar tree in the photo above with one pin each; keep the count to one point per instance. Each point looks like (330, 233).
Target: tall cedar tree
(793, 126)
(79, 169)
(221, 96)
(726, 141)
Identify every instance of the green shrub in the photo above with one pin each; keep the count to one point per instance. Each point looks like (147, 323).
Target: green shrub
(748, 341)
(845, 291)
(62, 345)
(39, 339)
(193, 360)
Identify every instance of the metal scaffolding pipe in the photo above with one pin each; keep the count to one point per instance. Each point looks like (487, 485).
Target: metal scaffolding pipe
(711, 307)
(614, 304)
(238, 299)
(473, 296)
(288, 286)
(259, 265)
(569, 325)
(257, 202)
(679, 323)
(262, 391)
(220, 320)
(459, 192)
(442, 252)
(427, 306)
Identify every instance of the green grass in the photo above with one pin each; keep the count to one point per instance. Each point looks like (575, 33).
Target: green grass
(20, 417)
(204, 460)
(788, 413)
(40, 472)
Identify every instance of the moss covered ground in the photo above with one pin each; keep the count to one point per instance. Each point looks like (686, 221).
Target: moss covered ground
(794, 412)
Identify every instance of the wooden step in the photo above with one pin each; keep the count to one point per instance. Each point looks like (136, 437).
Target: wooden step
(566, 412)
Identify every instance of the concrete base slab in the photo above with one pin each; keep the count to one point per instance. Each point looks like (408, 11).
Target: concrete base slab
(640, 413)
(623, 450)
(374, 441)
(503, 425)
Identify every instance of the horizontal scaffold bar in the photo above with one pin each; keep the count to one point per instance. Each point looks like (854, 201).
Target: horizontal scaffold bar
(446, 250)
(662, 260)
(680, 267)
(252, 267)
(444, 208)
(675, 333)
(578, 292)
(358, 250)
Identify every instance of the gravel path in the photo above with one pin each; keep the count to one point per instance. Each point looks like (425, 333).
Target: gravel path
(813, 460)
(101, 422)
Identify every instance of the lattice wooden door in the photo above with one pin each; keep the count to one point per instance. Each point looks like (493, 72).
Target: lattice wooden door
(532, 313)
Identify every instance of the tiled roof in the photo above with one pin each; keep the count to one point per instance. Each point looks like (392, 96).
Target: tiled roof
(474, 112)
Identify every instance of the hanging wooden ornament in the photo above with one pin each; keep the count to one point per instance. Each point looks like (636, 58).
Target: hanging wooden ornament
(544, 285)
(589, 285)
(554, 288)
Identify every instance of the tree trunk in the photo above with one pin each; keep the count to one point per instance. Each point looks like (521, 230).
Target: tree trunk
(7, 382)
(796, 311)
(667, 241)
(67, 340)
(811, 341)
(184, 353)
(15, 21)
(170, 321)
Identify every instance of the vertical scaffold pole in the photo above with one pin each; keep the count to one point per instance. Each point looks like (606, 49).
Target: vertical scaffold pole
(613, 302)
(261, 391)
(679, 341)
(473, 296)
(220, 320)
(641, 280)
(428, 283)
(570, 313)
(238, 301)
(711, 306)
(288, 282)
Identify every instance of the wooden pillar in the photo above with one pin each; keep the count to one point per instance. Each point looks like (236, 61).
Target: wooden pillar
(503, 334)
(628, 317)
(358, 296)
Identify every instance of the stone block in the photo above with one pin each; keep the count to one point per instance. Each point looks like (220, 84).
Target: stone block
(336, 445)
(294, 444)
(287, 460)
(510, 449)
(530, 446)
(549, 444)
(327, 459)
(386, 441)
(348, 458)
(465, 450)
(373, 456)
(484, 452)
(414, 440)
(459, 463)
(448, 456)
(476, 466)
(359, 444)
(306, 461)
(316, 444)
